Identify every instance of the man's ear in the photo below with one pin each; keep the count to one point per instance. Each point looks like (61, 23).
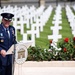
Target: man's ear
(2, 19)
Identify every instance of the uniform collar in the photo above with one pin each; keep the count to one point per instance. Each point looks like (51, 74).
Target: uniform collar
(4, 27)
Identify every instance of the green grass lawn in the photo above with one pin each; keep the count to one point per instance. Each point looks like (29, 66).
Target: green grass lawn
(66, 30)
(43, 41)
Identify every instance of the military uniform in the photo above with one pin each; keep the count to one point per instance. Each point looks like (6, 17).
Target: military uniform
(5, 43)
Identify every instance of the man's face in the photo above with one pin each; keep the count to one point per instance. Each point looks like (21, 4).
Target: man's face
(6, 23)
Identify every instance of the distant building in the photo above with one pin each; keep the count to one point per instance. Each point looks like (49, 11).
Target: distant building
(36, 3)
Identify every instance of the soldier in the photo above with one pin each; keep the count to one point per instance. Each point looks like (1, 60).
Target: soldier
(7, 39)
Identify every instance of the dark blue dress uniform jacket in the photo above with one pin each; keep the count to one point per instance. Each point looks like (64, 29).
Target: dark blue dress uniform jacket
(6, 43)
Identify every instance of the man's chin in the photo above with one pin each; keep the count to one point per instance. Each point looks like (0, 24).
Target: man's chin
(6, 26)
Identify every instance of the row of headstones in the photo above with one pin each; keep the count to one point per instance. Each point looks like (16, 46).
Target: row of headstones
(37, 27)
(73, 22)
(57, 20)
(73, 7)
(23, 13)
(29, 18)
(71, 18)
(24, 16)
(35, 18)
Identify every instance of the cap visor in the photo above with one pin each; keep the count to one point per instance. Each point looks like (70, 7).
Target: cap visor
(7, 19)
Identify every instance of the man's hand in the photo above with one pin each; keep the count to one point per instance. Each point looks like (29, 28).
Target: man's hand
(3, 53)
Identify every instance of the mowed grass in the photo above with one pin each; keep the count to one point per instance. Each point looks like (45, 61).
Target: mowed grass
(43, 41)
(65, 32)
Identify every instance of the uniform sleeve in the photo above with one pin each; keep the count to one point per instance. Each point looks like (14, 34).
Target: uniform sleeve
(0, 48)
(0, 36)
(14, 41)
